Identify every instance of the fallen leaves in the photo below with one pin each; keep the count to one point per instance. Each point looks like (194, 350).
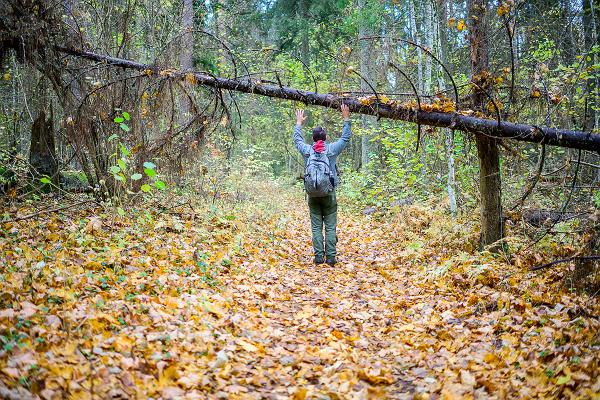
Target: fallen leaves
(233, 308)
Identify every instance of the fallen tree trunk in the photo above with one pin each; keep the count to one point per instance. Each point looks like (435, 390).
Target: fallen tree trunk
(481, 126)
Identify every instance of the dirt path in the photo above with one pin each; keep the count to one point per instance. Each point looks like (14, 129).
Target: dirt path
(372, 327)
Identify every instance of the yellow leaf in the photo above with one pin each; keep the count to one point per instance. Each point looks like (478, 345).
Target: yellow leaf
(247, 346)
(490, 358)
(383, 99)
(191, 78)
(406, 327)
(461, 25)
(7, 76)
(300, 394)
(376, 376)
(337, 334)
(168, 377)
(503, 9)
(535, 93)
(213, 309)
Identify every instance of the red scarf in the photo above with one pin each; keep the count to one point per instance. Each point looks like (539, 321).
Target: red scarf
(319, 146)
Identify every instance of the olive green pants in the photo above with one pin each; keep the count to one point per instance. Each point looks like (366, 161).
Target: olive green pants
(323, 210)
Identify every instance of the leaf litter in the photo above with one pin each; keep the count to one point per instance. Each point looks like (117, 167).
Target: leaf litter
(223, 306)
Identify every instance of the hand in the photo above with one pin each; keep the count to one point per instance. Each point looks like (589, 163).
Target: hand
(300, 117)
(345, 112)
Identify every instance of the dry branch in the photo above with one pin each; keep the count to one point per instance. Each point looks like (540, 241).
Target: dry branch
(505, 130)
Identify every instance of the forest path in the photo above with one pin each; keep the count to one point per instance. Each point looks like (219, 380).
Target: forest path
(376, 327)
(228, 305)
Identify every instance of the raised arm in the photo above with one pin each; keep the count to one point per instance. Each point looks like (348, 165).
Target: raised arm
(340, 144)
(302, 147)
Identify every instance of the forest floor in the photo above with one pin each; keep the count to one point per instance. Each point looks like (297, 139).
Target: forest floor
(218, 305)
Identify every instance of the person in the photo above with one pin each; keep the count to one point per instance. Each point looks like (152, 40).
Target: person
(323, 207)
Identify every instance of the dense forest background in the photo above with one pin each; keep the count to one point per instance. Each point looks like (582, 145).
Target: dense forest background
(537, 74)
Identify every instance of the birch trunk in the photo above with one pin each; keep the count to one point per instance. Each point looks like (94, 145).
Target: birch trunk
(442, 17)
(302, 14)
(186, 60)
(365, 60)
(428, 34)
(416, 38)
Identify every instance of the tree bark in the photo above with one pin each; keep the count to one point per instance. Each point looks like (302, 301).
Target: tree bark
(429, 33)
(478, 126)
(301, 14)
(442, 17)
(42, 153)
(366, 61)
(186, 59)
(487, 147)
(590, 38)
(417, 39)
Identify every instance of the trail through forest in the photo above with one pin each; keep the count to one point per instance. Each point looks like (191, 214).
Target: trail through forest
(224, 306)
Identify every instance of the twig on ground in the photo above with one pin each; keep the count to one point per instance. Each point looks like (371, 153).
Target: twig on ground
(550, 264)
(52, 210)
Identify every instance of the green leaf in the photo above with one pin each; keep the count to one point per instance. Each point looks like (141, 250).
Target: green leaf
(136, 177)
(120, 178)
(120, 211)
(112, 137)
(160, 185)
(118, 120)
(124, 127)
(124, 150)
(45, 180)
(126, 115)
(150, 172)
(115, 169)
(121, 164)
(146, 188)
(563, 379)
(149, 165)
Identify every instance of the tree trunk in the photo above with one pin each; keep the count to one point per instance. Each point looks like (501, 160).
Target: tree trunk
(442, 17)
(366, 61)
(186, 59)
(477, 126)
(487, 147)
(590, 39)
(42, 153)
(302, 15)
(417, 39)
(591, 24)
(428, 33)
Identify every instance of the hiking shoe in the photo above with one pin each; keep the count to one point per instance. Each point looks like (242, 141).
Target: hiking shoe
(319, 260)
(331, 262)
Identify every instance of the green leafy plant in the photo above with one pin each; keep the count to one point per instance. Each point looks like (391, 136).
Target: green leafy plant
(126, 178)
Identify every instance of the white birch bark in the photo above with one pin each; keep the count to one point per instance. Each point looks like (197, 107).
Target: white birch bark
(442, 40)
(365, 61)
(186, 60)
